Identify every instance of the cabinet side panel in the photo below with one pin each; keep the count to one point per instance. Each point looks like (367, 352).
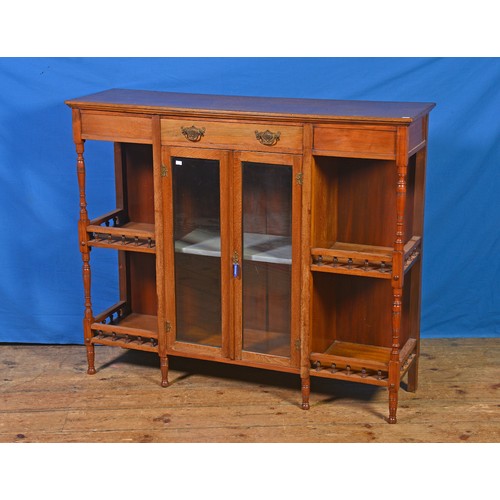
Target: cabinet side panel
(355, 310)
(366, 201)
(410, 200)
(141, 269)
(416, 135)
(323, 308)
(138, 165)
(324, 202)
(363, 310)
(407, 326)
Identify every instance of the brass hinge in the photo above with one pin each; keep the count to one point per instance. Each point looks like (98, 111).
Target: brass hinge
(297, 344)
(164, 171)
(168, 326)
(299, 178)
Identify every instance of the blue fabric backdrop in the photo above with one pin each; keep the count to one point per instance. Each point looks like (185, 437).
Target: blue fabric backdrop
(41, 296)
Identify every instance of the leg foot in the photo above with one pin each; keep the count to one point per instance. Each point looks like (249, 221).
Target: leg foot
(306, 390)
(393, 403)
(164, 371)
(90, 359)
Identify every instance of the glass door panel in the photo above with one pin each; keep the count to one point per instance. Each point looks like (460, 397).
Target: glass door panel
(197, 250)
(267, 258)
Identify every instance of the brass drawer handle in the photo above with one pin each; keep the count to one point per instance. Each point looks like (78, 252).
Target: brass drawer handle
(268, 138)
(193, 134)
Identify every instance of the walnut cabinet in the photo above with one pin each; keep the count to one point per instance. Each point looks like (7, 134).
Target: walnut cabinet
(283, 234)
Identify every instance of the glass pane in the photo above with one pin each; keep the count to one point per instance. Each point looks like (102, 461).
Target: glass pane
(196, 196)
(267, 258)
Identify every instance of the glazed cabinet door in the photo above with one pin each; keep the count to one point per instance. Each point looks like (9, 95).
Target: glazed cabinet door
(197, 260)
(266, 257)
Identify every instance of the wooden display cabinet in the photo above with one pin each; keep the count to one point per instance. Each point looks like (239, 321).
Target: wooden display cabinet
(283, 234)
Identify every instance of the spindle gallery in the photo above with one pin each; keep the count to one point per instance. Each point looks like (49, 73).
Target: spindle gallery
(284, 234)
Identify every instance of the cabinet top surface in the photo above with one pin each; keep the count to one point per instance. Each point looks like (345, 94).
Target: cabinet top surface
(224, 106)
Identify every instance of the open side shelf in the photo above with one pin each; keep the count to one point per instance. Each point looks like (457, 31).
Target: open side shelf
(118, 326)
(368, 364)
(113, 230)
(362, 260)
(350, 258)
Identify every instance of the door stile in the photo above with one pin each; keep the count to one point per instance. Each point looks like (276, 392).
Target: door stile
(159, 257)
(305, 264)
(225, 240)
(295, 348)
(237, 254)
(169, 327)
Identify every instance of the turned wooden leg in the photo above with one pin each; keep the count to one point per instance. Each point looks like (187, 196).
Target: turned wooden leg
(90, 359)
(164, 371)
(85, 251)
(306, 390)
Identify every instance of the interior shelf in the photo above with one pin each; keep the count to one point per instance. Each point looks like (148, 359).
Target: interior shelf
(258, 247)
(118, 326)
(112, 231)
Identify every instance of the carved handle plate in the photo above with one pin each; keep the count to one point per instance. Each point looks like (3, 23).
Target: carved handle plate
(193, 134)
(268, 138)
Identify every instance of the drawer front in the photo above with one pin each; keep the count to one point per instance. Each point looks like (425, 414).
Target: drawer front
(355, 141)
(116, 128)
(230, 135)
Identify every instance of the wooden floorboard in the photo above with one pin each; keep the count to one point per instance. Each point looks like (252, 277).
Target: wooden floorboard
(46, 397)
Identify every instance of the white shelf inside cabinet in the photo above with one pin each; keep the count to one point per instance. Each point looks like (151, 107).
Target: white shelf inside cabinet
(258, 247)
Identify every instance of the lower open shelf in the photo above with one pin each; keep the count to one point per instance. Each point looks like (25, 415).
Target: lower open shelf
(360, 362)
(119, 327)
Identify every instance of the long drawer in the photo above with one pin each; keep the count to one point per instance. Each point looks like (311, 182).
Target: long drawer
(232, 135)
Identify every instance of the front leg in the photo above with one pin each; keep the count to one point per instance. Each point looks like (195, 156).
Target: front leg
(164, 371)
(306, 390)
